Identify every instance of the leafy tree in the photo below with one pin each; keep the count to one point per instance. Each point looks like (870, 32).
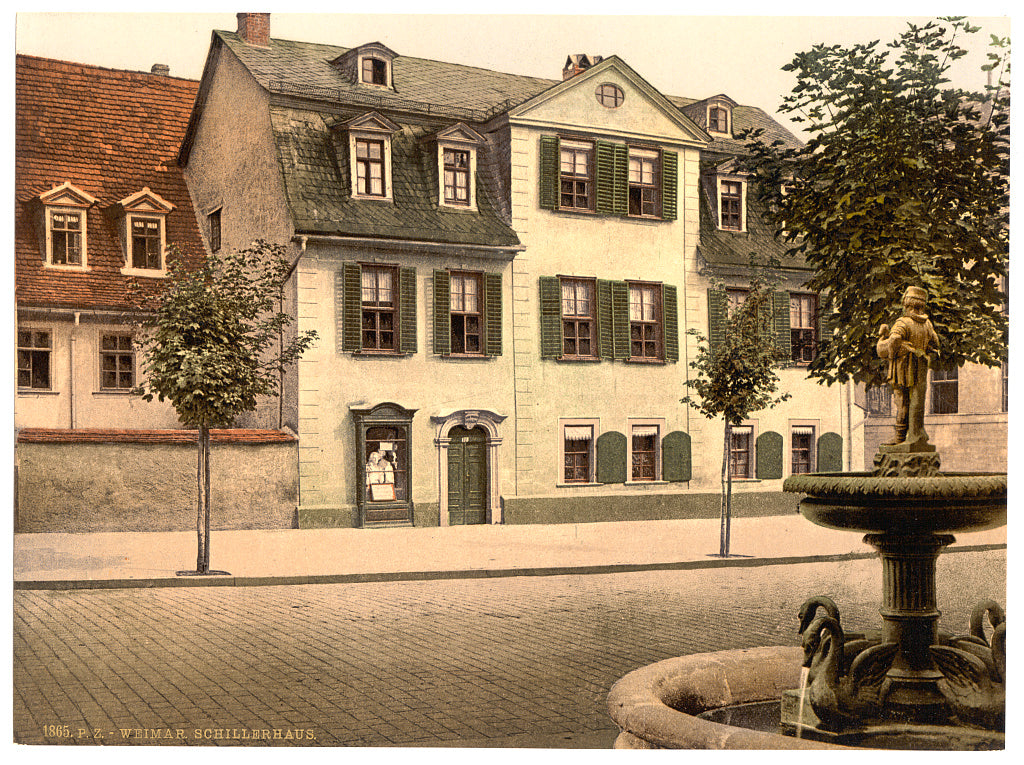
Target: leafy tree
(212, 343)
(736, 376)
(904, 180)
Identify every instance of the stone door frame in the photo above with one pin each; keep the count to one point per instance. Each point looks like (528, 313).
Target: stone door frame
(489, 421)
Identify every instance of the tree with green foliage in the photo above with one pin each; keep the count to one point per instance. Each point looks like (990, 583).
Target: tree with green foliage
(736, 376)
(212, 343)
(903, 181)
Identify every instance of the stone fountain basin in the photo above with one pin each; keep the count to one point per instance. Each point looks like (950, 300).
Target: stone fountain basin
(940, 504)
(655, 706)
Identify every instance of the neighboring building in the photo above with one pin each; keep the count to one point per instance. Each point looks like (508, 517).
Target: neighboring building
(99, 197)
(499, 268)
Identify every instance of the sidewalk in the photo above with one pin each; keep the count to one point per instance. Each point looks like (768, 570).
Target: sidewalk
(311, 556)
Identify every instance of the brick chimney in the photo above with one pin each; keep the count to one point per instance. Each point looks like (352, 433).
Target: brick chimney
(576, 63)
(160, 69)
(254, 28)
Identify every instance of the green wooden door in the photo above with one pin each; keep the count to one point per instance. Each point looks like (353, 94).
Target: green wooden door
(467, 476)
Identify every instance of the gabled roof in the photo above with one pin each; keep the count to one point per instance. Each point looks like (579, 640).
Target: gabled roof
(112, 135)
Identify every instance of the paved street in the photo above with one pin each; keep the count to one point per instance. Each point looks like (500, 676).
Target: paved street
(518, 661)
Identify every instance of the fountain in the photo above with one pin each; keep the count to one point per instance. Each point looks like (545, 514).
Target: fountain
(905, 685)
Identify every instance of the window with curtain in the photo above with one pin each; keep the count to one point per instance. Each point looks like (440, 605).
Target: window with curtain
(577, 451)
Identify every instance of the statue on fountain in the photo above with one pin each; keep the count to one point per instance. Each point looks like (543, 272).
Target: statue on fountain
(908, 347)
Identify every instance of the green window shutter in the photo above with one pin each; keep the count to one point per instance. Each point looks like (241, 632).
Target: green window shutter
(826, 326)
(549, 172)
(620, 320)
(669, 184)
(830, 453)
(718, 310)
(670, 315)
(605, 325)
(550, 317)
(611, 457)
(407, 309)
(352, 311)
(768, 451)
(605, 177)
(780, 320)
(620, 204)
(442, 313)
(676, 462)
(492, 314)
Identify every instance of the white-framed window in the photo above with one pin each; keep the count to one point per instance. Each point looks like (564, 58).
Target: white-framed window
(719, 119)
(732, 203)
(741, 451)
(457, 150)
(65, 237)
(369, 151)
(146, 242)
(644, 445)
(65, 221)
(802, 447)
(578, 439)
(644, 182)
(143, 233)
(35, 350)
(117, 362)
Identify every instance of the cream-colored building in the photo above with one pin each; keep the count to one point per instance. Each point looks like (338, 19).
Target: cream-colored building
(501, 270)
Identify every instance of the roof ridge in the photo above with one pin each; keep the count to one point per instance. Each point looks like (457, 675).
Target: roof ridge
(98, 67)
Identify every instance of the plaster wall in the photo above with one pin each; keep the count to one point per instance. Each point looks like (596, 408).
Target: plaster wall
(331, 381)
(605, 247)
(91, 487)
(75, 399)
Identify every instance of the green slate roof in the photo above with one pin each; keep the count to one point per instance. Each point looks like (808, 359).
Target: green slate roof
(314, 163)
(314, 157)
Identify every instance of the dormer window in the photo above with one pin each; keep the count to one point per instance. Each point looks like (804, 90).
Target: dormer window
(730, 204)
(65, 223)
(369, 147)
(719, 115)
(370, 64)
(143, 232)
(718, 119)
(374, 71)
(457, 148)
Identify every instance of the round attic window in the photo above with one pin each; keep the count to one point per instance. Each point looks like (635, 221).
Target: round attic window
(609, 95)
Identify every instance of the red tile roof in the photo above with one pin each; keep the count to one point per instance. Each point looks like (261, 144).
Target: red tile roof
(121, 436)
(109, 133)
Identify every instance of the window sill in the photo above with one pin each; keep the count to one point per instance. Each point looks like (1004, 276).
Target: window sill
(577, 485)
(579, 359)
(450, 207)
(370, 198)
(658, 362)
(463, 356)
(371, 354)
(152, 273)
(111, 392)
(658, 482)
(37, 392)
(61, 267)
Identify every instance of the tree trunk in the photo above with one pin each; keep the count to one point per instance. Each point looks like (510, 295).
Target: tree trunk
(203, 501)
(726, 515)
(206, 498)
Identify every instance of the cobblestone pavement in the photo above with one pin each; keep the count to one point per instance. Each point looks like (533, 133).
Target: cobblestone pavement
(523, 661)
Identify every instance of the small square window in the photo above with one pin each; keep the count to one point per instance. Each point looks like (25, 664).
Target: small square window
(117, 363)
(375, 71)
(34, 349)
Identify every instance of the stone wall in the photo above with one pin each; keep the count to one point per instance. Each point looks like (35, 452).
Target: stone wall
(123, 486)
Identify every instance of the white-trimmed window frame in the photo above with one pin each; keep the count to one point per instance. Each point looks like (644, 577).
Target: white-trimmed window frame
(720, 182)
(633, 423)
(383, 138)
(101, 351)
(454, 146)
(749, 426)
(814, 425)
(83, 235)
(375, 56)
(573, 422)
(130, 267)
(728, 118)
